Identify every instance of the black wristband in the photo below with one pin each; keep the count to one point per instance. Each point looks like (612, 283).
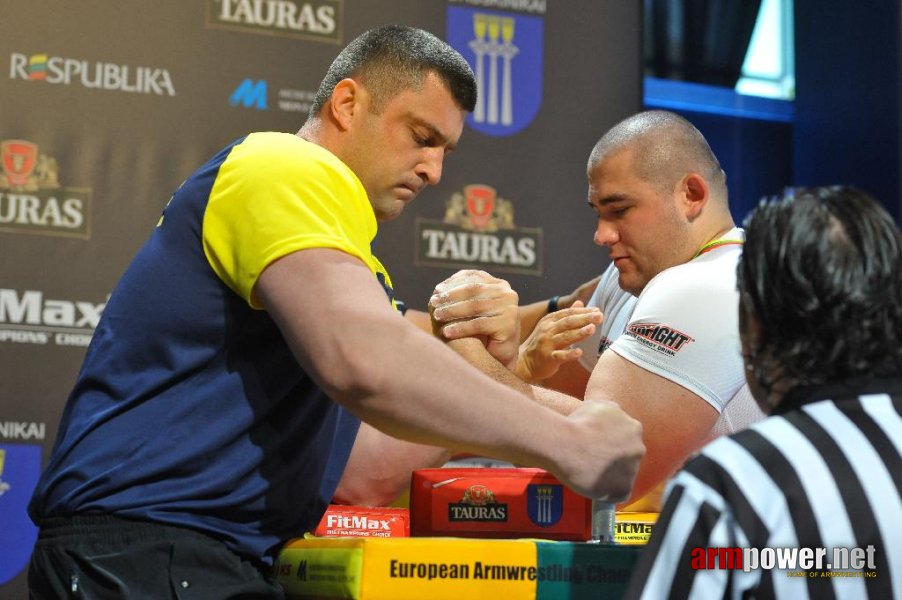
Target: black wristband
(552, 304)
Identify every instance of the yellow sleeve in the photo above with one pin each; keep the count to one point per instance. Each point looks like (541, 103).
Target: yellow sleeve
(275, 194)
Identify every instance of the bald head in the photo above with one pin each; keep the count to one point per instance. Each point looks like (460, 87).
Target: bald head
(665, 147)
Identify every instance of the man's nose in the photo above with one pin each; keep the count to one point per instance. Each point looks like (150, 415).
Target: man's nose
(429, 168)
(605, 233)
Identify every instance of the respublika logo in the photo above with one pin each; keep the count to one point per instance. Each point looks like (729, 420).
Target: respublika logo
(478, 230)
(97, 75)
(505, 51)
(20, 465)
(544, 503)
(30, 318)
(319, 20)
(31, 198)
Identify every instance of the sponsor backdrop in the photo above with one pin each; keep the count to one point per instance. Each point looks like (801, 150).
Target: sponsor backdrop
(105, 107)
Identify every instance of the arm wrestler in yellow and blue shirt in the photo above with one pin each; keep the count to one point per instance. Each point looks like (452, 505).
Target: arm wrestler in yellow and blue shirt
(190, 409)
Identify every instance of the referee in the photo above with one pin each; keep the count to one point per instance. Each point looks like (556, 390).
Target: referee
(820, 286)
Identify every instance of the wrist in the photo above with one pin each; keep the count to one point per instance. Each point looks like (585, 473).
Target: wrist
(521, 370)
(553, 304)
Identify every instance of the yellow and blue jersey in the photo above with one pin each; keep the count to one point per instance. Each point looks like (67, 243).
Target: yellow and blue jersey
(190, 408)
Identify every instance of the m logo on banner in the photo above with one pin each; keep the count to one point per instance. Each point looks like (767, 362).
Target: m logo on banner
(250, 94)
(505, 51)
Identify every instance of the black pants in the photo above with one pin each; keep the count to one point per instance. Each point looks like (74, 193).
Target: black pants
(102, 556)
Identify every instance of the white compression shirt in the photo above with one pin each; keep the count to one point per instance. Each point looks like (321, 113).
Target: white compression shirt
(683, 327)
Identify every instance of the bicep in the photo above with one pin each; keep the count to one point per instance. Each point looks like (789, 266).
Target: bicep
(314, 296)
(571, 378)
(675, 421)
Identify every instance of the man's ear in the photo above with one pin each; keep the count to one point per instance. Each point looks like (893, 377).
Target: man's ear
(344, 102)
(695, 194)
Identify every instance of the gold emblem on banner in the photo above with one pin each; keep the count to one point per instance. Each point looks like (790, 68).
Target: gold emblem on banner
(24, 169)
(479, 208)
(31, 197)
(478, 231)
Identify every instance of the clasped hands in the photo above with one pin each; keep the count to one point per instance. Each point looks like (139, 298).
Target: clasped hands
(473, 303)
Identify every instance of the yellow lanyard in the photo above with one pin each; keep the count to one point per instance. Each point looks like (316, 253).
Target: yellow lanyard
(715, 244)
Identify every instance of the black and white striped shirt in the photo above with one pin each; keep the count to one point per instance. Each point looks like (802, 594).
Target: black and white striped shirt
(824, 471)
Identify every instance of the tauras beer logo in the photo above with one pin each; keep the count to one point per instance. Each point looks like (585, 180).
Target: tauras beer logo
(478, 504)
(99, 75)
(663, 338)
(30, 318)
(478, 230)
(320, 20)
(31, 198)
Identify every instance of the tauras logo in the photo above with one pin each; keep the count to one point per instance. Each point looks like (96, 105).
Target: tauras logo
(17, 430)
(31, 198)
(478, 504)
(478, 230)
(98, 75)
(30, 318)
(42, 211)
(291, 18)
(461, 512)
(357, 522)
(663, 337)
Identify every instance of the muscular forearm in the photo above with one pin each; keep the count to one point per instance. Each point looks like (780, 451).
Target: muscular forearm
(410, 386)
(379, 468)
(475, 353)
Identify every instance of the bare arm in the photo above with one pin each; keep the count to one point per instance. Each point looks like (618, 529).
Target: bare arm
(530, 314)
(675, 421)
(550, 345)
(420, 319)
(473, 303)
(410, 386)
(571, 378)
(380, 466)
(477, 355)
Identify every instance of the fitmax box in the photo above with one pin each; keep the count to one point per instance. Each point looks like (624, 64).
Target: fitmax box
(497, 503)
(634, 528)
(363, 521)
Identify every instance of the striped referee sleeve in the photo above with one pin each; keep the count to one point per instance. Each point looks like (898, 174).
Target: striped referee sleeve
(693, 516)
(827, 475)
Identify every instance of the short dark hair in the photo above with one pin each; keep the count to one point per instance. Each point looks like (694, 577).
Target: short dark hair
(393, 58)
(665, 147)
(821, 271)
